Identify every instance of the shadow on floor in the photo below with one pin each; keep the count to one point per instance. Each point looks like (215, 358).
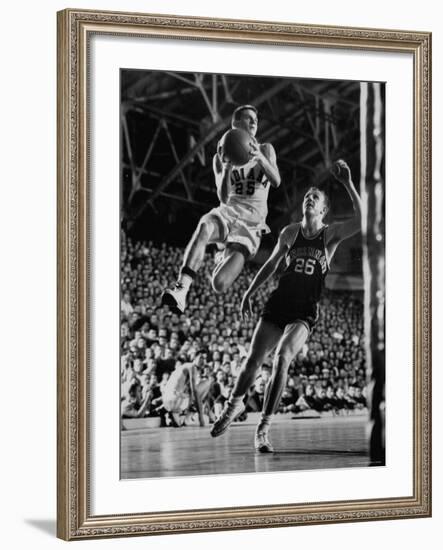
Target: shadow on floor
(48, 526)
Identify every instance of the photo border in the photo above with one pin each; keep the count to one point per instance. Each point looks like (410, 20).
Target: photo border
(75, 29)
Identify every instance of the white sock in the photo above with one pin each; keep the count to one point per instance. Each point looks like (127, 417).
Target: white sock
(185, 281)
(264, 423)
(235, 400)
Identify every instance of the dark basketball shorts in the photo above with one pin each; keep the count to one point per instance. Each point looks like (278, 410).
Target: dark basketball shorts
(278, 312)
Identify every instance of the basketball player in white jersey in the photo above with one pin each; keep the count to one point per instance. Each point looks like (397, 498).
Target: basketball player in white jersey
(292, 309)
(182, 390)
(240, 220)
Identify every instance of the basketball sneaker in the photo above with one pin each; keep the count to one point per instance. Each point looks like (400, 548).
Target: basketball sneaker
(227, 417)
(175, 298)
(261, 441)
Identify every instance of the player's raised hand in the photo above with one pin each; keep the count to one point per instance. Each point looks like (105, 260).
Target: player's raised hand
(341, 171)
(223, 159)
(246, 307)
(255, 152)
(225, 162)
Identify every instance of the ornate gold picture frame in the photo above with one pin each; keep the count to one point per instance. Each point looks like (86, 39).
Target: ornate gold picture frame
(75, 517)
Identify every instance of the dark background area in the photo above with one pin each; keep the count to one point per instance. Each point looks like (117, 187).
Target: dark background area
(170, 127)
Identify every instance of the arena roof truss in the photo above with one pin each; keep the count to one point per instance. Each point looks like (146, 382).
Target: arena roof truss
(171, 123)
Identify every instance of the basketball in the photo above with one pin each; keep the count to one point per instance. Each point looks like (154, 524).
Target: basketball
(235, 146)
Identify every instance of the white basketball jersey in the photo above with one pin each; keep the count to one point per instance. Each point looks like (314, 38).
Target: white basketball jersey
(248, 192)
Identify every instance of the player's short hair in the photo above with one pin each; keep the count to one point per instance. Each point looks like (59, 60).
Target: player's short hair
(239, 110)
(323, 192)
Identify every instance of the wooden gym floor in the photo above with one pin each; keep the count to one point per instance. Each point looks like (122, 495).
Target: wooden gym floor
(302, 444)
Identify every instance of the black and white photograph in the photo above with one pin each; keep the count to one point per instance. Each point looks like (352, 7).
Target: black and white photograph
(252, 274)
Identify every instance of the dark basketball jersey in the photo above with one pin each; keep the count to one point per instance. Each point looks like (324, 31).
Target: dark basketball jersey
(307, 266)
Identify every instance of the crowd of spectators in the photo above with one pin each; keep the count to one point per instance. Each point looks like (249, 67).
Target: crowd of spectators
(328, 374)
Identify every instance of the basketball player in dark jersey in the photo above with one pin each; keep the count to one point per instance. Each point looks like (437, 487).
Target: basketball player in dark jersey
(292, 309)
(239, 222)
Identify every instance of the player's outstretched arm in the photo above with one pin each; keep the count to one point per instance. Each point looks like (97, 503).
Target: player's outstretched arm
(268, 269)
(265, 156)
(222, 172)
(340, 231)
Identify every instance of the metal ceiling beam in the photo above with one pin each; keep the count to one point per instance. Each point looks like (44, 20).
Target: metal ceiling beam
(292, 146)
(145, 172)
(154, 112)
(324, 92)
(174, 153)
(168, 94)
(136, 184)
(132, 89)
(315, 132)
(228, 93)
(198, 85)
